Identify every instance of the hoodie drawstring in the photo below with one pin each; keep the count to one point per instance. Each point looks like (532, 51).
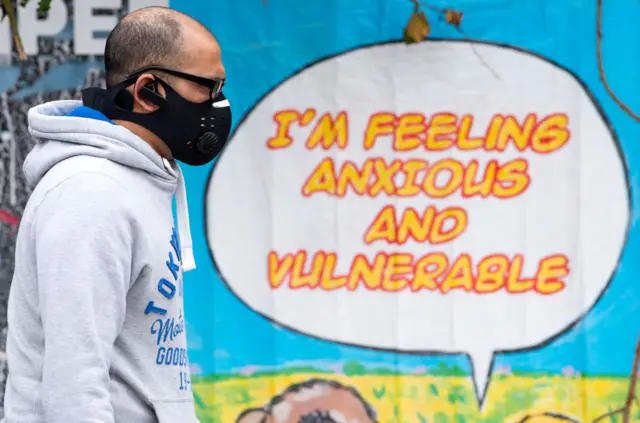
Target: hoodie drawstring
(184, 228)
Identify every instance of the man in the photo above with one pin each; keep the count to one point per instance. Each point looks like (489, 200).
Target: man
(96, 318)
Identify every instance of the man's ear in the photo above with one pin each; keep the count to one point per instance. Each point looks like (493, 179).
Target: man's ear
(146, 94)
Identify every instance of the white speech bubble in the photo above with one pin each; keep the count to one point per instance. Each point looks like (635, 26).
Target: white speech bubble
(577, 203)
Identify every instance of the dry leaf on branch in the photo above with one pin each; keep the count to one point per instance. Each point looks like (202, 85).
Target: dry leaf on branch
(453, 17)
(417, 29)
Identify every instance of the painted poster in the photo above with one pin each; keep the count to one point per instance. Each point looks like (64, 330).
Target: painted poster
(440, 232)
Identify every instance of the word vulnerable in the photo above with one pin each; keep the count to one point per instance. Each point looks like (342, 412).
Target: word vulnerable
(434, 272)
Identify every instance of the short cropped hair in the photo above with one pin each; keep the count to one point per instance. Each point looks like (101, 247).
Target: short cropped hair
(150, 36)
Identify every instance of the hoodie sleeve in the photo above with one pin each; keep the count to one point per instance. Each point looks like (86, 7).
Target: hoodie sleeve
(84, 247)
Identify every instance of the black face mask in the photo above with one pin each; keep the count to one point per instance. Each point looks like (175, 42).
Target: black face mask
(194, 132)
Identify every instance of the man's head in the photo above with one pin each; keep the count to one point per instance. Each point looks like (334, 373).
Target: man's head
(180, 61)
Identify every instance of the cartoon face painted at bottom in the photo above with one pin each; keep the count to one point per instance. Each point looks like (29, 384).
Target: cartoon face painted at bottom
(313, 401)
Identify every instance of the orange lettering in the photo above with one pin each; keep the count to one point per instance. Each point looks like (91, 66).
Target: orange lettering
(428, 269)
(551, 134)
(283, 120)
(323, 179)
(383, 226)
(460, 275)
(329, 132)
(464, 141)
(411, 168)
(278, 269)
(519, 134)
(384, 177)
(491, 272)
(471, 187)
(512, 178)
(442, 130)
(398, 265)
(550, 273)
(454, 167)
(410, 127)
(379, 124)
(299, 279)
(439, 234)
(370, 274)
(329, 281)
(350, 175)
(515, 285)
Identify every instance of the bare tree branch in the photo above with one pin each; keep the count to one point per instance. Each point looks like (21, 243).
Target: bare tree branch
(609, 414)
(631, 395)
(601, 71)
(8, 10)
(555, 416)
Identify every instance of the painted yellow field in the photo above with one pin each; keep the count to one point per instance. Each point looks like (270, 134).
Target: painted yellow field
(431, 399)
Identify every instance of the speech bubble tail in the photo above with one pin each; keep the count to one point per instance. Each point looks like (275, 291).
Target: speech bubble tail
(481, 365)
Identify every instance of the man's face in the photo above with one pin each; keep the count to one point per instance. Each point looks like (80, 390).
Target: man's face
(202, 57)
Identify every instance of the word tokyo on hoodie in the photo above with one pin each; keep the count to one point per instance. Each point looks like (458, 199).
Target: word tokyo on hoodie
(109, 294)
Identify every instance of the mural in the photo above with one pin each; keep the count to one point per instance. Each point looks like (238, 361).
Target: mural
(441, 232)
(427, 203)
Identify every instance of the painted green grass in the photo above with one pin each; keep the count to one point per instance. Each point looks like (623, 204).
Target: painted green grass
(428, 398)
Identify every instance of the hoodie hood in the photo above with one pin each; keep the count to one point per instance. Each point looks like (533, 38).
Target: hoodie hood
(60, 135)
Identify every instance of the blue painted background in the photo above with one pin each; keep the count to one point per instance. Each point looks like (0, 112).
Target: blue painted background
(263, 45)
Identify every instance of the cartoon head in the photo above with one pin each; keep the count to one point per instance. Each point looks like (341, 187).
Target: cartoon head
(313, 401)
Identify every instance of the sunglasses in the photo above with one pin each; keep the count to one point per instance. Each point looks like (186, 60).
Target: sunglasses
(214, 84)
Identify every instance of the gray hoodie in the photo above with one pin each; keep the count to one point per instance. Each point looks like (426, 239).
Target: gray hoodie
(96, 317)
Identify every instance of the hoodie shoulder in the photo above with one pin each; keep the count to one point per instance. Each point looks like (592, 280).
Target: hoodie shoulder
(77, 183)
(97, 192)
